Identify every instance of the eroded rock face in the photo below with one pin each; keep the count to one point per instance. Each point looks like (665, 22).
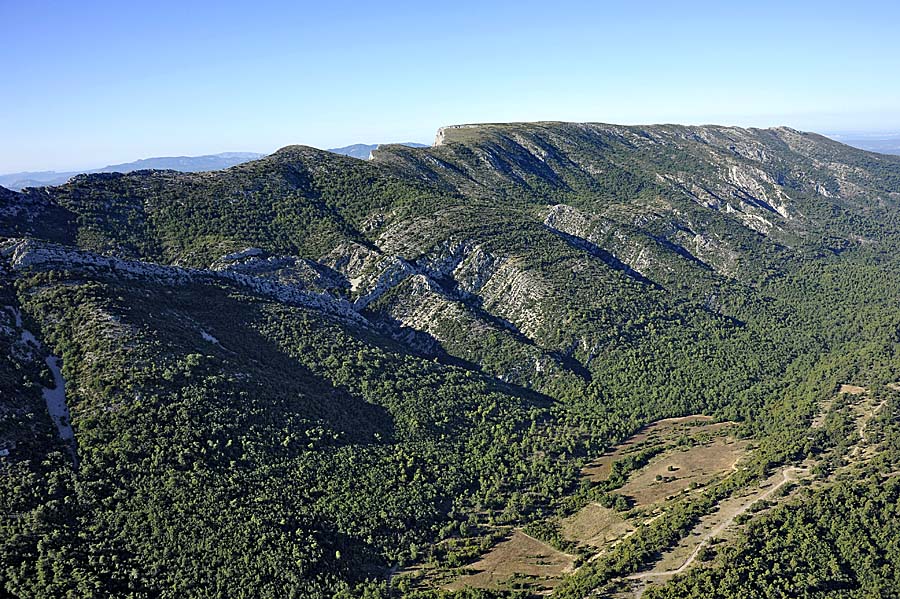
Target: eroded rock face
(428, 239)
(242, 255)
(759, 189)
(445, 132)
(24, 254)
(349, 259)
(288, 271)
(651, 256)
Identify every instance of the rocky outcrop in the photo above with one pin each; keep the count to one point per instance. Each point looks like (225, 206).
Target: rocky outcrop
(495, 228)
(383, 276)
(759, 189)
(444, 132)
(242, 255)
(28, 254)
(628, 248)
(285, 270)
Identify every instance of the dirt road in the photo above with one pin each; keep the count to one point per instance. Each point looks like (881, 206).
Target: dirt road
(788, 474)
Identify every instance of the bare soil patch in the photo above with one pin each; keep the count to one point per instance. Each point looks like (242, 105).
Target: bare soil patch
(661, 431)
(520, 557)
(595, 525)
(718, 520)
(852, 389)
(694, 449)
(676, 470)
(713, 525)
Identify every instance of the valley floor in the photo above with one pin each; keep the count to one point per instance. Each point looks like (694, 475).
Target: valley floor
(688, 455)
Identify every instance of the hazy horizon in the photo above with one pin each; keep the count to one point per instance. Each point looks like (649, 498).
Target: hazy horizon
(844, 136)
(98, 82)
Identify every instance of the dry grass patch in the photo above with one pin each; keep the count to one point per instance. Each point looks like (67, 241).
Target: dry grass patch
(595, 525)
(655, 433)
(675, 470)
(720, 524)
(518, 557)
(726, 512)
(852, 389)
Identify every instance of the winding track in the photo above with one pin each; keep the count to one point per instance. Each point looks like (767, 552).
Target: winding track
(788, 474)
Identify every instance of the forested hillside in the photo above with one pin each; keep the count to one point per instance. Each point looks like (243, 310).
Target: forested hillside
(313, 376)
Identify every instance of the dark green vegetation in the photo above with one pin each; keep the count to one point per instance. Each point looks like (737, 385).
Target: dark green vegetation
(835, 539)
(186, 164)
(429, 345)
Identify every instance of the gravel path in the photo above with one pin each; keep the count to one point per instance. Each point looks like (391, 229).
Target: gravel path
(788, 474)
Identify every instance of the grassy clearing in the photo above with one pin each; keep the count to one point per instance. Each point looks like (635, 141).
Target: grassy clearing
(595, 525)
(722, 525)
(852, 389)
(681, 468)
(520, 559)
(714, 525)
(656, 433)
(694, 451)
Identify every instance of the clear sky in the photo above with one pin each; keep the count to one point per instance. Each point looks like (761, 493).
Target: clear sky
(87, 83)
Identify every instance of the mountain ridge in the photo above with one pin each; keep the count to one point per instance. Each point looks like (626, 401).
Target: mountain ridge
(364, 151)
(18, 181)
(307, 372)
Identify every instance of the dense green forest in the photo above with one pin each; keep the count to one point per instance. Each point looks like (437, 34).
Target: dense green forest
(308, 374)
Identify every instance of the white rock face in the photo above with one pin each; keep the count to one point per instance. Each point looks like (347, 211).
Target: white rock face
(712, 250)
(386, 275)
(600, 233)
(207, 337)
(754, 182)
(350, 259)
(473, 273)
(28, 348)
(441, 136)
(28, 253)
(286, 270)
(242, 255)
(516, 295)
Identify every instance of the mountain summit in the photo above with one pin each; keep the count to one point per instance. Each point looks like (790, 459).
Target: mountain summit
(364, 151)
(313, 375)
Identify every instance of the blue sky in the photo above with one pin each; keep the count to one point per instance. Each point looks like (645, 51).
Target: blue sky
(90, 83)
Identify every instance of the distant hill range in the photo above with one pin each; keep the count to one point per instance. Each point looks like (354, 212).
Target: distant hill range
(883, 143)
(289, 376)
(364, 151)
(186, 164)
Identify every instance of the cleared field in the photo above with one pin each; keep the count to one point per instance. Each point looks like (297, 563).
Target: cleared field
(694, 449)
(658, 432)
(595, 525)
(519, 557)
(714, 525)
(852, 389)
(677, 469)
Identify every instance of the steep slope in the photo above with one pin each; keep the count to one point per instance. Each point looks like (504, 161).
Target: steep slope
(291, 376)
(609, 197)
